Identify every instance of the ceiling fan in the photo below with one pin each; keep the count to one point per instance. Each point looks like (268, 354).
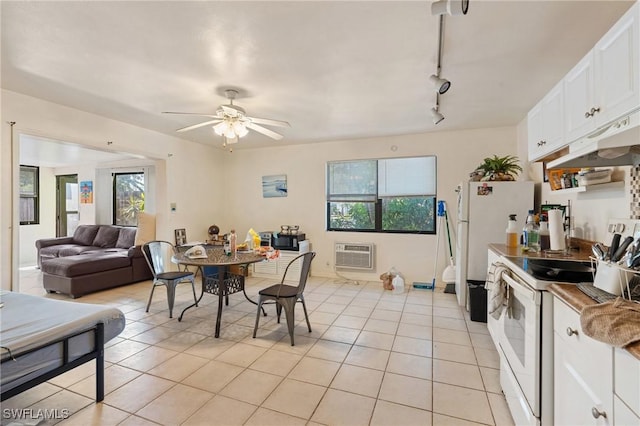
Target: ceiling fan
(232, 121)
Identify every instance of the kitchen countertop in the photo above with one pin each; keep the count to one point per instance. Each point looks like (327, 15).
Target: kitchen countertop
(573, 297)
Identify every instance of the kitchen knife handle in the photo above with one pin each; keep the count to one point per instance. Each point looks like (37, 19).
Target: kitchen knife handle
(622, 249)
(615, 242)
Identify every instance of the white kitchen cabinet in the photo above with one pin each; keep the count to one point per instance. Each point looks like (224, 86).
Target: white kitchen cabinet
(626, 386)
(605, 84)
(583, 373)
(623, 414)
(275, 268)
(545, 124)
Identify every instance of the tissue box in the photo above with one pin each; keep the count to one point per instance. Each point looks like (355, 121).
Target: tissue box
(594, 177)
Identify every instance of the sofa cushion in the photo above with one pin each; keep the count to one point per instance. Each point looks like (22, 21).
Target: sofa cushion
(85, 234)
(107, 236)
(83, 264)
(127, 238)
(73, 249)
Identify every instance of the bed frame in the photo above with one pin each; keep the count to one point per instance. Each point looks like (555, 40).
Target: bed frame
(97, 353)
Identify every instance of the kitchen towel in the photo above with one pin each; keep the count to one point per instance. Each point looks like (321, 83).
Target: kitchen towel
(556, 229)
(498, 289)
(616, 323)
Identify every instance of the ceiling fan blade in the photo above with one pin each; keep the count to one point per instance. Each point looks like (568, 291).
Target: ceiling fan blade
(264, 131)
(269, 122)
(191, 113)
(195, 126)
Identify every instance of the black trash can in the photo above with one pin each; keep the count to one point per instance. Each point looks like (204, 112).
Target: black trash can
(477, 301)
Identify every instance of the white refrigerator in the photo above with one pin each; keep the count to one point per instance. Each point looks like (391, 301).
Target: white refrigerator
(483, 213)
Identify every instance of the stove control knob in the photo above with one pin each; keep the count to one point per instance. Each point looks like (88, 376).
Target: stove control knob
(596, 413)
(571, 331)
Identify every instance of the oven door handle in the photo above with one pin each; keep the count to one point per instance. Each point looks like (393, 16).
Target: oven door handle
(521, 287)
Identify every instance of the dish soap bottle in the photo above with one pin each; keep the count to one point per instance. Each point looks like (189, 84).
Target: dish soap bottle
(545, 240)
(512, 231)
(530, 233)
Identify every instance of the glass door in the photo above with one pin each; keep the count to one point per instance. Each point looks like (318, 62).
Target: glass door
(67, 214)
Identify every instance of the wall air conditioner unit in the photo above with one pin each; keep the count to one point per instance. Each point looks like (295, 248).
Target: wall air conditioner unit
(359, 256)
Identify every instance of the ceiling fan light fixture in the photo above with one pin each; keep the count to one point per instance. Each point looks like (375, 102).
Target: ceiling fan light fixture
(240, 129)
(436, 116)
(441, 84)
(450, 7)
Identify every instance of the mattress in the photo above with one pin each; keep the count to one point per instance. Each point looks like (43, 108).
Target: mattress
(29, 322)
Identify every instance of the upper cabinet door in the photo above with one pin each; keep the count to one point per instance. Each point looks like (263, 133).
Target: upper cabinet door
(579, 99)
(617, 77)
(545, 124)
(605, 84)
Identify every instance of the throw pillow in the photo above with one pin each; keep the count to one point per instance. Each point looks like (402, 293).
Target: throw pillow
(127, 238)
(106, 237)
(85, 234)
(146, 228)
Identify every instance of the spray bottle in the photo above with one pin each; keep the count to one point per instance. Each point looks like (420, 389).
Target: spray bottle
(512, 231)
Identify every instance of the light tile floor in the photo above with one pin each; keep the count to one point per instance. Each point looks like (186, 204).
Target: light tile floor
(372, 358)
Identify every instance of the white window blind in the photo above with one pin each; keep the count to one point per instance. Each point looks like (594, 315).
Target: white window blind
(407, 176)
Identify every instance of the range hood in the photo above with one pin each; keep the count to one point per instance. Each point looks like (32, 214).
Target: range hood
(615, 144)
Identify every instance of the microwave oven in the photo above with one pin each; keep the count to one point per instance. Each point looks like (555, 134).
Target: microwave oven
(287, 242)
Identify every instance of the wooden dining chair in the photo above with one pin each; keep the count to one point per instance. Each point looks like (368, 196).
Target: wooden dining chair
(286, 296)
(157, 254)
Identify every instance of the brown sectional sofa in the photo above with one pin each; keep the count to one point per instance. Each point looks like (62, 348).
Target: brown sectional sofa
(97, 257)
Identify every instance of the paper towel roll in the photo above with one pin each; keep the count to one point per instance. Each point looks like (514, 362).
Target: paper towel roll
(556, 229)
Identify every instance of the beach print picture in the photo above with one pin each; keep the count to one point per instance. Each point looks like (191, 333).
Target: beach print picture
(274, 186)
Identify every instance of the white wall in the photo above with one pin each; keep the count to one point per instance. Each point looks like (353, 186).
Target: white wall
(28, 234)
(458, 153)
(182, 163)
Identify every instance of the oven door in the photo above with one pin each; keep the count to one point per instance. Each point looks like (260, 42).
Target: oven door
(517, 333)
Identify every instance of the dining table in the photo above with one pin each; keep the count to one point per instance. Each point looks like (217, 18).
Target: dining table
(222, 283)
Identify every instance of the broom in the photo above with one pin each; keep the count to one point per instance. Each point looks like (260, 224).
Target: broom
(449, 273)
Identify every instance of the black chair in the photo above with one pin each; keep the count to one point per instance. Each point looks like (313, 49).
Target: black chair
(158, 255)
(286, 296)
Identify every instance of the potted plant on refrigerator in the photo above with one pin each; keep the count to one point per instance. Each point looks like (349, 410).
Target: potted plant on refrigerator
(498, 169)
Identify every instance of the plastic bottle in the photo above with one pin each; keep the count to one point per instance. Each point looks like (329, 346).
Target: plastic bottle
(398, 284)
(512, 231)
(530, 233)
(545, 241)
(232, 243)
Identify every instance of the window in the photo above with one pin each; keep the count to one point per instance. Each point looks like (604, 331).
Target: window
(29, 191)
(387, 195)
(128, 198)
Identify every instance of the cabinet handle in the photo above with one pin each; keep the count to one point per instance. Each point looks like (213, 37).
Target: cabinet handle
(571, 331)
(595, 413)
(541, 143)
(591, 113)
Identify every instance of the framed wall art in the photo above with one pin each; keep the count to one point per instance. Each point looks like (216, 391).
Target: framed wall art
(274, 186)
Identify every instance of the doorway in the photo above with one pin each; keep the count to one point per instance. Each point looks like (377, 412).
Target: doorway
(67, 205)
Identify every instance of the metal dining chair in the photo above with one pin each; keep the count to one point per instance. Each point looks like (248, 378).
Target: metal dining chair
(158, 254)
(286, 296)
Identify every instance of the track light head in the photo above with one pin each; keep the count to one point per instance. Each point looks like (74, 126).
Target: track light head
(450, 7)
(441, 84)
(436, 115)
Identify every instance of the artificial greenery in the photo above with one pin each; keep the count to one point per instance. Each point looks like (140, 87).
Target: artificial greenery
(500, 168)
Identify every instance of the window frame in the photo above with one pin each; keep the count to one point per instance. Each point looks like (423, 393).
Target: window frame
(114, 204)
(378, 203)
(35, 195)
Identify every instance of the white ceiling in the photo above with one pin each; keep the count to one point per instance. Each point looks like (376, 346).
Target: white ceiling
(334, 70)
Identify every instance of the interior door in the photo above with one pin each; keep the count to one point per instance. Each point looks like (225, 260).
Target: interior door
(67, 202)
